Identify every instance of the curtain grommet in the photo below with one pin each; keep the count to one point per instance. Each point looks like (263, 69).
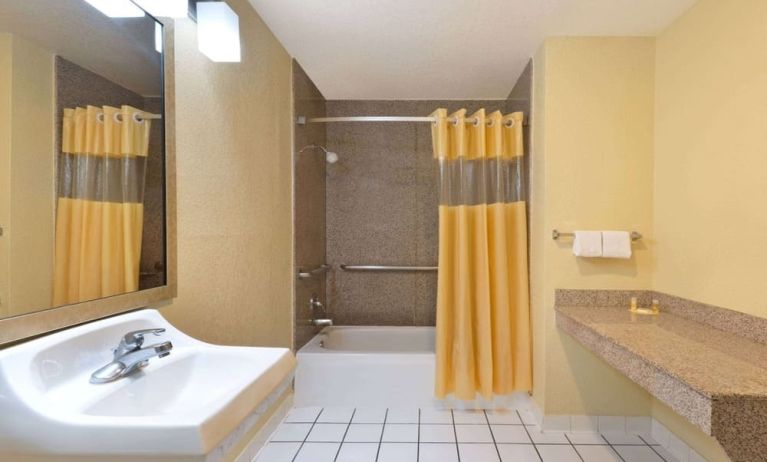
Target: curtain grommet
(509, 123)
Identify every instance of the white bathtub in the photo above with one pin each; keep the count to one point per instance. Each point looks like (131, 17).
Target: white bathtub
(367, 367)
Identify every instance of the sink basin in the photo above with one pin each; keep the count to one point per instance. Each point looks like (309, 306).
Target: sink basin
(182, 405)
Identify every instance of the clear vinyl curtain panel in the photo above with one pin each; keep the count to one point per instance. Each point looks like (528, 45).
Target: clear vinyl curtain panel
(99, 210)
(483, 309)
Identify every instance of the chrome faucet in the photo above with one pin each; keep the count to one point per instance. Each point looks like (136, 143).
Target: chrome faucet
(130, 357)
(316, 305)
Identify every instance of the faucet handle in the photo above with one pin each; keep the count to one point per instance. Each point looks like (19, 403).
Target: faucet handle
(135, 338)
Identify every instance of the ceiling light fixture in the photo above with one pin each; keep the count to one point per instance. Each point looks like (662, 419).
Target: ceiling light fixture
(165, 8)
(117, 8)
(218, 32)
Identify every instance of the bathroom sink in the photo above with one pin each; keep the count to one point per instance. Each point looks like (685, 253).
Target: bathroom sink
(184, 404)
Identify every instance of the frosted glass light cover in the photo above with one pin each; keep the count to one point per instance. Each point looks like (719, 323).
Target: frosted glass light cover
(165, 8)
(158, 37)
(218, 32)
(117, 8)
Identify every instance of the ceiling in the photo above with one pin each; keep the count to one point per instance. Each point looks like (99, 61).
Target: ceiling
(442, 49)
(121, 50)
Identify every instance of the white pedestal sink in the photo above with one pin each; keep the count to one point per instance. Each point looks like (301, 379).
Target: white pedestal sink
(182, 405)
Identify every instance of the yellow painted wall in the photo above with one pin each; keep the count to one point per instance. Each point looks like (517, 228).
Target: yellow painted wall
(711, 155)
(593, 131)
(6, 58)
(32, 178)
(27, 171)
(711, 166)
(234, 189)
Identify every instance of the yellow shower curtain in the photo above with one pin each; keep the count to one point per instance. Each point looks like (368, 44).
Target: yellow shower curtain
(483, 311)
(99, 213)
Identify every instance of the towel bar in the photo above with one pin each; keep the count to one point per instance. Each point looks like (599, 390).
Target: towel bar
(635, 236)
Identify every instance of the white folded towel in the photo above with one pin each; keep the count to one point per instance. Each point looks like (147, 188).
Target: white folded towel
(587, 244)
(616, 244)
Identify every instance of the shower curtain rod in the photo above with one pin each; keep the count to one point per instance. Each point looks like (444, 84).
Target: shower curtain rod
(301, 120)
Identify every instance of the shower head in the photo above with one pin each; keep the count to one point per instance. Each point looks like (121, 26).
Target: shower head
(330, 156)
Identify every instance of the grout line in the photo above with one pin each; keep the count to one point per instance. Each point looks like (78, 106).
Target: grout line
(383, 429)
(418, 447)
(535, 446)
(653, 449)
(455, 434)
(574, 448)
(492, 435)
(611, 447)
(345, 433)
(307, 434)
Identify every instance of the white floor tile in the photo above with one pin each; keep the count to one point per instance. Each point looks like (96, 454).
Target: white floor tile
(622, 438)
(437, 434)
(438, 452)
(364, 433)
(507, 417)
(469, 417)
(317, 452)
(665, 454)
(478, 452)
(402, 433)
(540, 437)
(597, 454)
(528, 418)
(510, 434)
(473, 434)
(398, 452)
(406, 415)
(358, 452)
(369, 415)
(327, 433)
(518, 453)
(303, 415)
(336, 415)
(278, 452)
(648, 439)
(638, 454)
(436, 416)
(585, 438)
(291, 432)
(558, 453)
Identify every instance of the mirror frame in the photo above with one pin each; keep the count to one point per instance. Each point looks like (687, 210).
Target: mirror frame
(17, 328)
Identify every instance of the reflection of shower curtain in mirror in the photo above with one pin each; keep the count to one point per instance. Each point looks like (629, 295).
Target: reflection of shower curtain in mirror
(483, 311)
(100, 211)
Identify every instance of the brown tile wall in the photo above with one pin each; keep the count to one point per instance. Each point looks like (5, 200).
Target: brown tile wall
(309, 206)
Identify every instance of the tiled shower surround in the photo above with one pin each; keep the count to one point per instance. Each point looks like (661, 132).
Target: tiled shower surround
(380, 205)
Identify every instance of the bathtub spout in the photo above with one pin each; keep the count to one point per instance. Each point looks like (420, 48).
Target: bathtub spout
(322, 322)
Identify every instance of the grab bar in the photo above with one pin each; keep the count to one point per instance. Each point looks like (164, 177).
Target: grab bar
(307, 274)
(386, 268)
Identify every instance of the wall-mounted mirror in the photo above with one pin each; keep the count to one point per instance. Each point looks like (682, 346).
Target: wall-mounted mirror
(82, 155)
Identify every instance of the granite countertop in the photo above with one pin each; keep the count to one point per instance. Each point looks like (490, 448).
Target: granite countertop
(705, 362)
(710, 361)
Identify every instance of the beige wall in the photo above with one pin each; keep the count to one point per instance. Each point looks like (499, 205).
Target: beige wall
(711, 162)
(27, 188)
(234, 189)
(710, 166)
(6, 58)
(593, 132)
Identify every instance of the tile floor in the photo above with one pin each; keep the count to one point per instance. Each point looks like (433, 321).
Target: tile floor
(428, 435)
